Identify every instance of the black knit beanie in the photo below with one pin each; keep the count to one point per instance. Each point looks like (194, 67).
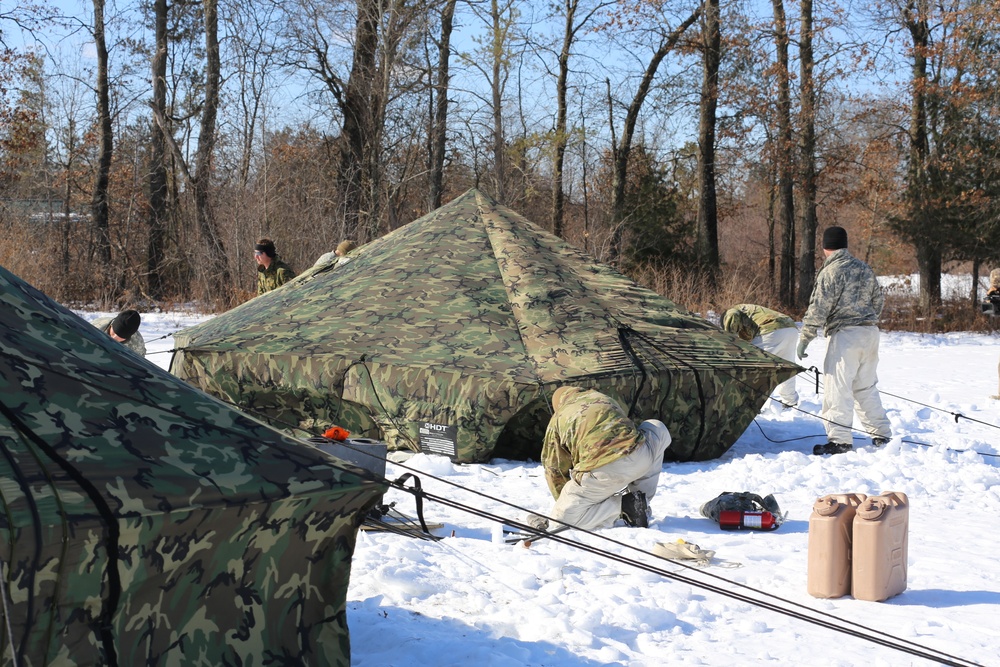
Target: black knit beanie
(126, 324)
(834, 238)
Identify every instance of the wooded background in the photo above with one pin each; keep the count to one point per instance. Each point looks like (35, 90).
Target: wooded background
(700, 147)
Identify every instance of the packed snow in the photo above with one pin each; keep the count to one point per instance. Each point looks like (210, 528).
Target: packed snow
(604, 599)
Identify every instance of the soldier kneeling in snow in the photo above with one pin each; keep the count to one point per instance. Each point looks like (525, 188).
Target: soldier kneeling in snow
(598, 465)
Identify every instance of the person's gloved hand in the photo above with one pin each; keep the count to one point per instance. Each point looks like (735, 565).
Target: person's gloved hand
(801, 349)
(537, 522)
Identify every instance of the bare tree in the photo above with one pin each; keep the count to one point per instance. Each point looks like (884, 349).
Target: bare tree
(571, 28)
(158, 155)
(202, 180)
(915, 15)
(99, 205)
(707, 246)
(785, 161)
(372, 35)
(502, 21)
(250, 58)
(216, 268)
(807, 156)
(622, 147)
(439, 106)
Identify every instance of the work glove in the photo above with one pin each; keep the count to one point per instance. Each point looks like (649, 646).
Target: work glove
(801, 349)
(537, 522)
(681, 550)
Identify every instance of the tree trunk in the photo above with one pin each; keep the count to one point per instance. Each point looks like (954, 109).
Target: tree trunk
(157, 157)
(560, 139)
(219, 262)
(928, 251)
(929, 267)
(99, 205)
(622, 150)
(772, 200)
(356, 130)
(67, 194)
(499, 142)
(974, 293)
(708, 222)
(440, 111)
(807, 156)
(783, 156)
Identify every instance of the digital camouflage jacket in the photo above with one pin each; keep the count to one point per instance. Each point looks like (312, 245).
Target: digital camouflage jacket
(274, 276)
(588, 430)
(748, 321)
(847, 294)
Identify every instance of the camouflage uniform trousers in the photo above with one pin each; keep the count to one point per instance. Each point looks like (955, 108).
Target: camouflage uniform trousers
(590, 500)
(849, 376)
(781, 343)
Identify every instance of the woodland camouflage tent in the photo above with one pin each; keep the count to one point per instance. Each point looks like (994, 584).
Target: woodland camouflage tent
(450, 334)
(145, 523)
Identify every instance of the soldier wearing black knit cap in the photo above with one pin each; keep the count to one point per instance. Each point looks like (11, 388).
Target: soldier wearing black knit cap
(125, 329)
(846, 303)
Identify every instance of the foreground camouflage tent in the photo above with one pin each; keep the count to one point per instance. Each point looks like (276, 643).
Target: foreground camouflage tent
(450, 334)
(145, 523)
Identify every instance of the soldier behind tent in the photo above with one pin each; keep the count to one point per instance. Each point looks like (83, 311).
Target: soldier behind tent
(598, 465)
(124, 328)
(342, 250)
(272, 272)
(772, 332)
(329, 260)
(992, 307)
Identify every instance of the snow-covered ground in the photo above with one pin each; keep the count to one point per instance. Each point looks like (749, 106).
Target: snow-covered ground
(470, 599)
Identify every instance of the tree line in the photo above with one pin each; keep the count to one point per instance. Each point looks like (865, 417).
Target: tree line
(144, 148)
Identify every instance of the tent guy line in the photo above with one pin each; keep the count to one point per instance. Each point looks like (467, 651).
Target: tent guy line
(813, 616)
(956, 415)
(890, 641)
(864, 632)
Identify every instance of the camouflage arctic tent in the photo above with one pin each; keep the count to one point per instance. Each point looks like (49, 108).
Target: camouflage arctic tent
(450, 334)
(145, 523)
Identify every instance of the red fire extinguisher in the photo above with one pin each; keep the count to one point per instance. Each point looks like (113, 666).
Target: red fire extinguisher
(737, 520)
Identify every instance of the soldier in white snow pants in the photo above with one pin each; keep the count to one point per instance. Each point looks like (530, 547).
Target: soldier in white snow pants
(846, 303)
(849, 379)
(591, 502)
(781, 343)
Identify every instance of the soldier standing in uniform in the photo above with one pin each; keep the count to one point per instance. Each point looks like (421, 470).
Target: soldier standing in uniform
(772, 332)
(592, 452)
(125, 329)
(846, 302)
(271, 271)
(993, 299)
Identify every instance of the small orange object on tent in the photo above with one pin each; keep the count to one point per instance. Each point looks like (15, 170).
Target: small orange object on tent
(337, 433)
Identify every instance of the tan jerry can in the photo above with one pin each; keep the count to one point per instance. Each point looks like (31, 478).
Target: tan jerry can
(830, 526)
(881, 526)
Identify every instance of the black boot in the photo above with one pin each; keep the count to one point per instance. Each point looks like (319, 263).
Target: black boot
(634, 509)
(832, 448)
